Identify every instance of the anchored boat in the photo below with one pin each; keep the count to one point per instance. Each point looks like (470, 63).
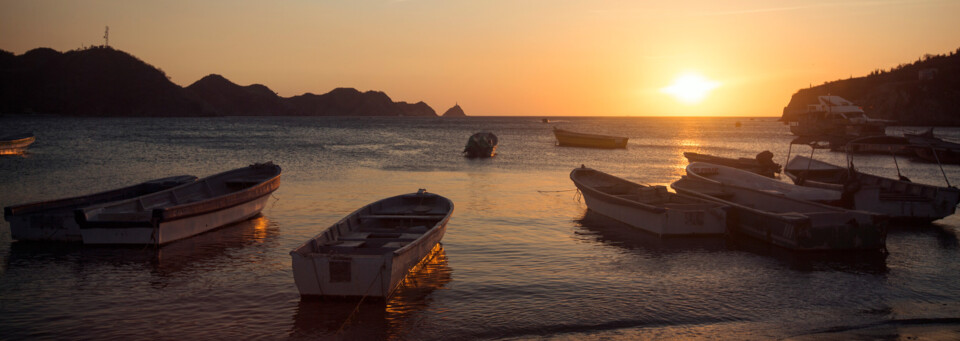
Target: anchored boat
(370, 251)
(16, 144)
(181, 212)
(791, 223)
(54, 220)
(649, 208)
(573, 139)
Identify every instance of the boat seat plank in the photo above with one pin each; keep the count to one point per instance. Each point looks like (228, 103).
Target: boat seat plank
(122, 216)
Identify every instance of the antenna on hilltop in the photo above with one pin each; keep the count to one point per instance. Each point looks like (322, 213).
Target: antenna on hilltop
(106, 37)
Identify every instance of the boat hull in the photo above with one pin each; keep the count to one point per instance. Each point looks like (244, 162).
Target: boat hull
(790, 223)
(55, 220)
(690, 220)
(903, 201)
(572, 139)
(329, 266)
(15, 144)
(170, 231)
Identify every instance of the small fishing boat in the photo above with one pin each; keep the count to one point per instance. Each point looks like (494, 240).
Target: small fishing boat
(649, 208)
(761, 164)
(738, 177)
(15, 144)
(930, 148)
(573, 139)
(794, 224)
(901, 199)
(881, 144)
(370, 251)
(183, 211)
(54, 220)
(481, 144)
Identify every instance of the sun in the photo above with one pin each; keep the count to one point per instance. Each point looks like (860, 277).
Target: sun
(690, 88)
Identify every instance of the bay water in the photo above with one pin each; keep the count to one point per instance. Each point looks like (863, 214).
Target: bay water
(522, 257)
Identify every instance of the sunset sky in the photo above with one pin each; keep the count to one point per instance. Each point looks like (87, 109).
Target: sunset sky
(516, 57)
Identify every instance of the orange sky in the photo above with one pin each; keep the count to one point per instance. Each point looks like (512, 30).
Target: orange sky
(508, 57)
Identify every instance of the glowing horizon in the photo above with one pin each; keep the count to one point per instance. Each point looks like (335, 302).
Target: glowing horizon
(534, 58)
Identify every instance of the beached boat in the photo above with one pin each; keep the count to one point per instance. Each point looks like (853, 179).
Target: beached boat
(649, 208)
(481, 144)
(16, 144)
(54, 220)
(902, 199)
(181, 212)
(761, 164)
(370, 251)
(738, 177)
(573, 139)
(790, 223)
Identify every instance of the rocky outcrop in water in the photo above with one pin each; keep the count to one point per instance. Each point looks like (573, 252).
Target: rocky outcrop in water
(455, 111)
(926, 92)
(102, 81)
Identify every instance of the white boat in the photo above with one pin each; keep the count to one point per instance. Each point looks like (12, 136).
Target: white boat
(181, 212)
(733, 176)
(790, 223)
(54, 220)
(16, 144)
(832, 116)
(902, 200)
(649, 208)
(370, 251)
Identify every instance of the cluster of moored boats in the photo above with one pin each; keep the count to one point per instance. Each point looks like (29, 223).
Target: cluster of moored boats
(828, 207)
(367, 253)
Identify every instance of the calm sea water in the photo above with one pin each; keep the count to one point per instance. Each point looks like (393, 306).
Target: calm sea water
(522, 258)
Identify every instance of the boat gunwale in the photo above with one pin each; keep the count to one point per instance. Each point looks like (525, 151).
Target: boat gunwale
(624, 201)
(160, 215)
(78, 201)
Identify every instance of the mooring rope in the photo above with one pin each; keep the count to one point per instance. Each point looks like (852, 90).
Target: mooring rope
(365, 294)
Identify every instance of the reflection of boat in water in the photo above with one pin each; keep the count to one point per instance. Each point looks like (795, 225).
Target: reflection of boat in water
(568, 138)
(761, 164)
(163, 260)
(380, 320)
(832, 116)
(54, 220)
(16, 144)
(649, 208)
(370, 251)
(183, 211)
(482, 144)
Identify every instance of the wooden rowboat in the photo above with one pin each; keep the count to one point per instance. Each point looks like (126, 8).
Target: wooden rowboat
(791, 223)
(762, 164)
(370, 251)
(183, 211)
(649, 208)
(574, 139)
(901, 199)
(54, 220)
(738, 177)
(15, 144)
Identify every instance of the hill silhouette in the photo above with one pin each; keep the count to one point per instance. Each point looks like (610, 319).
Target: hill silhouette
(925, 92)
(454, 111)
(102, 81)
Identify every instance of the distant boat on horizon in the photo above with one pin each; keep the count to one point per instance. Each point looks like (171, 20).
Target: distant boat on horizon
(566, 138)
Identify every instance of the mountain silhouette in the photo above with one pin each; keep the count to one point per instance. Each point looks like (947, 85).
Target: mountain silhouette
(102, 81)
